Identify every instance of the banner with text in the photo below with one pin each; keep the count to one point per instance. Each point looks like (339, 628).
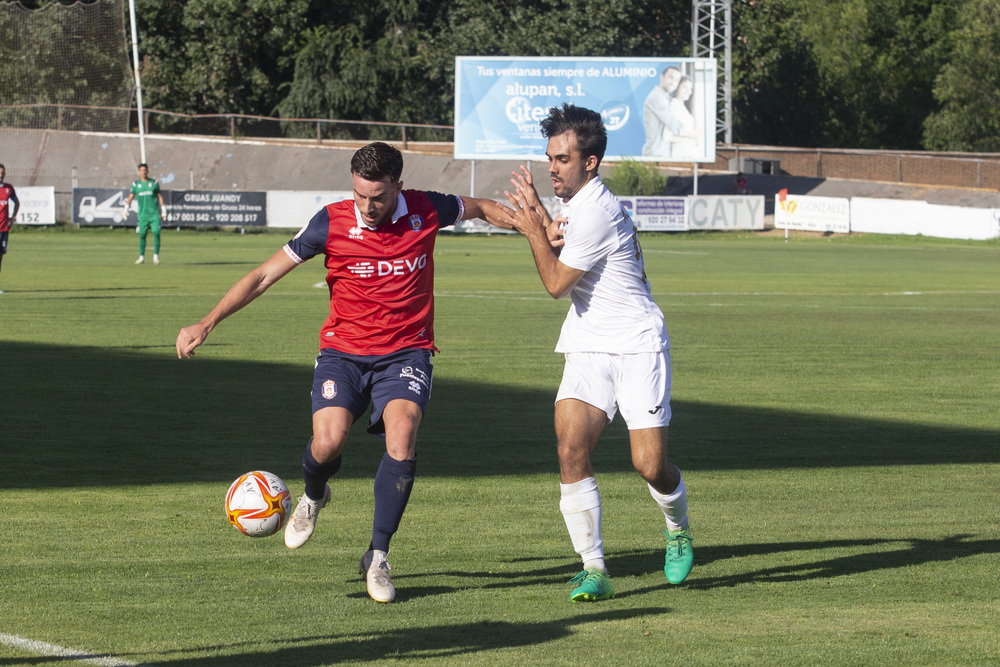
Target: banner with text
(813, 214)
(657, 214)
(216, 209)
(185, 208)
(37, 205)
(725, 212)
(654, 109)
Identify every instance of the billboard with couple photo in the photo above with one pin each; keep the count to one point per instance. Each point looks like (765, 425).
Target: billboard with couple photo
(655, 109)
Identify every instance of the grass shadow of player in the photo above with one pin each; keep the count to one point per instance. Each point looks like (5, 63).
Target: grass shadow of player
(440, 642)
(84, 416)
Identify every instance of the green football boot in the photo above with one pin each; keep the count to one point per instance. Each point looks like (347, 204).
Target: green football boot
(680, 555)
(592, 585)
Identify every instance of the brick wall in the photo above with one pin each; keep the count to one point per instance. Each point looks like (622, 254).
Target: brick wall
(964, 170)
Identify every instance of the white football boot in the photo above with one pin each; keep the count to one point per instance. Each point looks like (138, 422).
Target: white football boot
(303, 522)
(376, 568)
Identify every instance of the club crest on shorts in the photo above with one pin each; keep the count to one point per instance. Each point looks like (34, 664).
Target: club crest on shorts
(416, 222)
(329, 389)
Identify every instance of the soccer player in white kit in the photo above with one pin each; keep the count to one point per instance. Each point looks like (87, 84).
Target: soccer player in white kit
(614, 339)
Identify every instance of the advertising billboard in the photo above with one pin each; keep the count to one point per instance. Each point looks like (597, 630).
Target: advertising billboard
(185, 208)
(655, 109)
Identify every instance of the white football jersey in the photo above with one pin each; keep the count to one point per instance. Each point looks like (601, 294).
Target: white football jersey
(613, 308)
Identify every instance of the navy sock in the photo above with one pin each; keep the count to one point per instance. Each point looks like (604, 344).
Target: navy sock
(317, 474)
(393, 483)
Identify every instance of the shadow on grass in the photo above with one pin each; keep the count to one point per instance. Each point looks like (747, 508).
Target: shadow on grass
(871, 555)
(97, 416)
(451, 641)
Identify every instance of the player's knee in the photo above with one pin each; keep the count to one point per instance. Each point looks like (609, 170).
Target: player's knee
(327, 446)
(653, 469)
(574, 458)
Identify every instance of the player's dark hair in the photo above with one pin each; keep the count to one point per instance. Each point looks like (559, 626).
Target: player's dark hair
(142, 164)
(591, 136)
(376, 161)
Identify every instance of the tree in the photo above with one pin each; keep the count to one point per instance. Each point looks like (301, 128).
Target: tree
(856, 73)
(968, 88)
(372, 65)
(630, 178)
(218, 56)
(395, 61)
(777, 90)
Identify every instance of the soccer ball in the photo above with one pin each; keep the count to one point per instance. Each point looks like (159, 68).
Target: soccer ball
(258, 503)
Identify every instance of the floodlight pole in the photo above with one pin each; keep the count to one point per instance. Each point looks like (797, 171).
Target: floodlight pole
(712, 37)
(138, 83)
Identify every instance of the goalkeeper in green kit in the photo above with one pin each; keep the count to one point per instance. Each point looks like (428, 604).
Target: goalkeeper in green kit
(149, 201)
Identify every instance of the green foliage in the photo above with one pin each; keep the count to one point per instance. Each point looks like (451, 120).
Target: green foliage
(395, 61)
(375, 69)
(218, 56)
(567, 28)
(631, 177)
(71, 55)
(968, 88)
(852, 74)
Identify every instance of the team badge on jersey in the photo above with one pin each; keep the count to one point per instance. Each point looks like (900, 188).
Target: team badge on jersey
(416, 222)
(329, 389)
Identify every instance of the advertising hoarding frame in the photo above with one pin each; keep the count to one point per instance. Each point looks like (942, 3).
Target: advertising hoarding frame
(499, 102)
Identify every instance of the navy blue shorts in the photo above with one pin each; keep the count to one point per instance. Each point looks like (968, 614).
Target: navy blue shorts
(3, 243)
(352, 382)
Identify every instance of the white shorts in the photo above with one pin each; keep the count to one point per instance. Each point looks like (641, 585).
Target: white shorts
(637, 384)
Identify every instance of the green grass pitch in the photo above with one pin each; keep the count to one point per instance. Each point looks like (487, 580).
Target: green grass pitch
(835, 414)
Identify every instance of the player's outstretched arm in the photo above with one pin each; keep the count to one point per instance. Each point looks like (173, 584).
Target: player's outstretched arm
(492, 212)
(246, 289)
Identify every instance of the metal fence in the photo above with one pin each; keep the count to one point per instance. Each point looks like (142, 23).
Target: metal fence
(962, 170)
(114, 119)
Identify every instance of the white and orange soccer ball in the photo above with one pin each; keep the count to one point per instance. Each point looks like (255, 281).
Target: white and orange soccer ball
(258, 503)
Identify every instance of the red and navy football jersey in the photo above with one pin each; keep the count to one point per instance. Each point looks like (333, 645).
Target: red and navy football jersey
(7, 199)
(381, 280)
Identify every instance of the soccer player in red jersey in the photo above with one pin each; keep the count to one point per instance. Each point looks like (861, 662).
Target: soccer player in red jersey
(377, 341)
(8, 211)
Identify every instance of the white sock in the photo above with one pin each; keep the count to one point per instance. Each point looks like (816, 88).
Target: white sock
(580, 504)
(674, 506)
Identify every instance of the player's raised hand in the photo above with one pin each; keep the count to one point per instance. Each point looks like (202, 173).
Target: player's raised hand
(525, 218)
(524, 183)
(190, 338)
